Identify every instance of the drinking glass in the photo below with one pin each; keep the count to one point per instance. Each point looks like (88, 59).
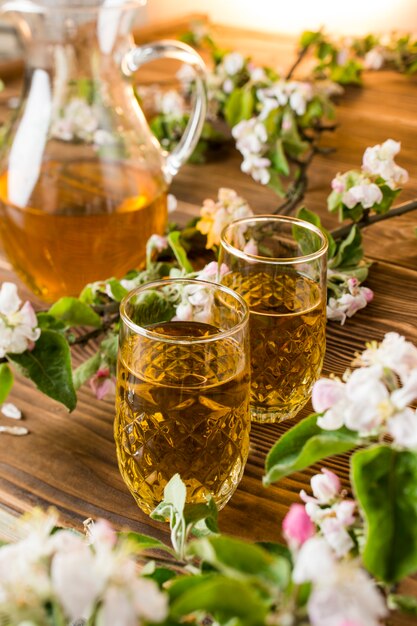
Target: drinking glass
(182, 401)
(278, 265)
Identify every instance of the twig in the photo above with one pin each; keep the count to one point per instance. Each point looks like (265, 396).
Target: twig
(296, 191)
(92, 334)
(300, 57)
(401, 209)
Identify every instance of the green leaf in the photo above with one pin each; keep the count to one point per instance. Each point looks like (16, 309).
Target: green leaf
(305, 444)
(75, 313)
(405, 604)
(334, 201)
(349, 251)
(144, 542)
(277, 549)
(117, 290)
(175, 493)
(279, 160)
(239, 559)
(239, 106)
(109, 349)
(161, 575)
(384, 481)
(179, 251)
(348, 74)
(275, 183)
(202, 512)
(6, 381)
(86, 370)
(151, 307)
(49, 322)
(309, 37)
(308, 216)
(388, 197)
(248, 105)
(48, 365)
(222, 598)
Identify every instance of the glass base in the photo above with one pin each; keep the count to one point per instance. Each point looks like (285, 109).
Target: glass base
(271, 415)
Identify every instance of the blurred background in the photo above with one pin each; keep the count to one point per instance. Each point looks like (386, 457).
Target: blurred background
(353, 17)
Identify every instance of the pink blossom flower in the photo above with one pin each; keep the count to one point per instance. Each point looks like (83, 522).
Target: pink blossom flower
(102, 383)
(297, 526)
(350, 302)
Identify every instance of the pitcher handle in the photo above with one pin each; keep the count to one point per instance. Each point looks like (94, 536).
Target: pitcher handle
(139, 55)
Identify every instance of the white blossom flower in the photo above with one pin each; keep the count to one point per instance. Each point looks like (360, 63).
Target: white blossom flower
(233, 63)
(257, 74)
(326, 392)
(301, 93)
(402, 426)
(345, 594)
(367, 194)
(170, 103)
(228, 86)
(76, 580)
(104, 137)
(315, 550)
(250, 135)
(367, 396)
(406, 394)
(336, 535)
(379, 161)
(374, 59)
(18, 325)
(257, 167)
(186, 74)
(394, 353)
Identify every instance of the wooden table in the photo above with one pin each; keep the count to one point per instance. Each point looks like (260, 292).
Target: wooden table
(69, 461)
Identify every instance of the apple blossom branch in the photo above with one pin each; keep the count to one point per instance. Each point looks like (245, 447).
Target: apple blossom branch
(369, 220)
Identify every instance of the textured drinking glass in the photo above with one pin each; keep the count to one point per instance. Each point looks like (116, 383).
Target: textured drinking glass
(182, 402)
(278, 265)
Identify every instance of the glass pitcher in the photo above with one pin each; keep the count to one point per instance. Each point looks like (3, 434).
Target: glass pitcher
(83, 181)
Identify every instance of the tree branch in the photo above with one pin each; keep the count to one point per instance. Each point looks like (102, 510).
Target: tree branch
(401, 209)
(92, 334)
(300, 57)
(296, 191)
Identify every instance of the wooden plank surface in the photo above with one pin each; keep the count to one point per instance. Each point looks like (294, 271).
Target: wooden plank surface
(69, 461)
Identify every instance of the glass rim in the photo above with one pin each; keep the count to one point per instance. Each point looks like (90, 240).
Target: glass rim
(37, 6)
(275, 260)
(150, 334)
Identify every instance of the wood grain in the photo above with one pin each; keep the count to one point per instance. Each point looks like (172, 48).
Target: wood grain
(69, 460)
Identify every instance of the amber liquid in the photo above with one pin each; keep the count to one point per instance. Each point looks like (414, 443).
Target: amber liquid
(85, 221)
(287, 340)
(185, 409)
